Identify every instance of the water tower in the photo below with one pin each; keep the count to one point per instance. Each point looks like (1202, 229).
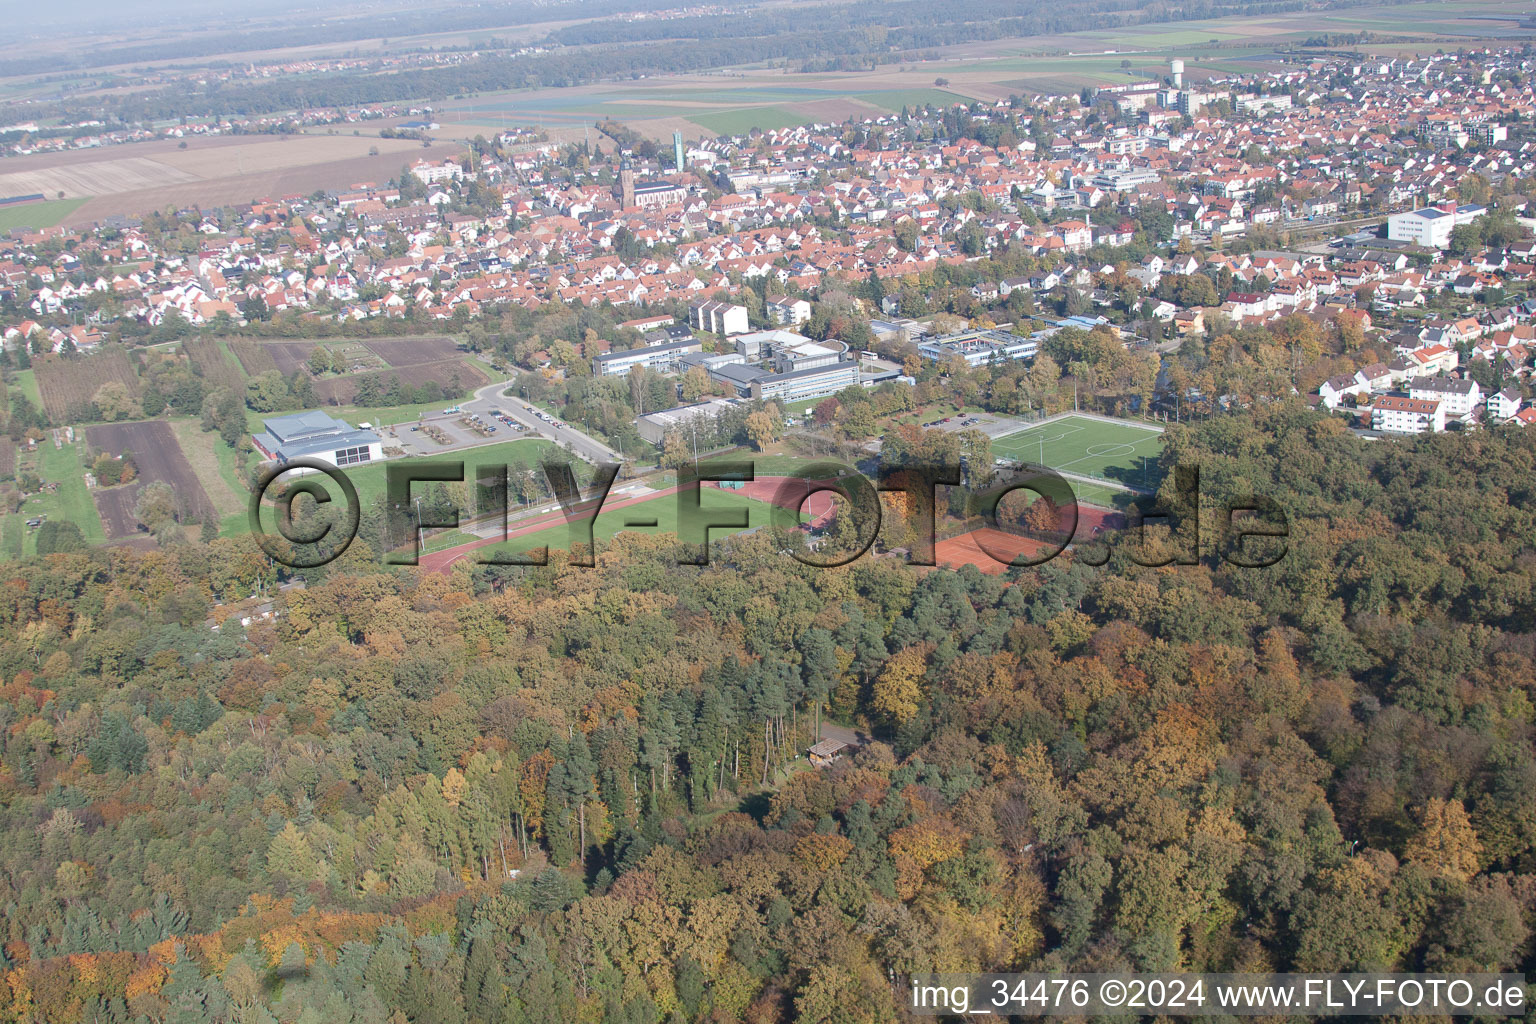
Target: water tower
(1176, 67)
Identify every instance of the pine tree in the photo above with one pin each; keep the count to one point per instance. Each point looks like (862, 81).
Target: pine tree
(484, 982)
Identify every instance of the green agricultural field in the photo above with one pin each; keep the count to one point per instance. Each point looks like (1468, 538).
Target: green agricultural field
(894, 99)
(38, 215)
(1124, 453)
(739, 122)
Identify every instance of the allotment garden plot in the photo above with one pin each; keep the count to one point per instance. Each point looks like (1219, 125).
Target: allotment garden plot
(1112, 450)
(158, 457)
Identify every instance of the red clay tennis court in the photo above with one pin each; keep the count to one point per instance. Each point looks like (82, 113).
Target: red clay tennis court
(966, 550)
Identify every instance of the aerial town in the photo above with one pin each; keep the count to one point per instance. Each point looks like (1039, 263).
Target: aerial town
(1354, 233)
(812, 512)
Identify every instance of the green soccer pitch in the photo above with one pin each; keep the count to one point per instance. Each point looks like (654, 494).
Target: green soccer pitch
(1124, 453)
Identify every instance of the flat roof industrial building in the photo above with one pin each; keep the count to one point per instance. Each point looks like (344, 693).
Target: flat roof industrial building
(320, 436)
(978, 347)
(661, 358)
(655, 426)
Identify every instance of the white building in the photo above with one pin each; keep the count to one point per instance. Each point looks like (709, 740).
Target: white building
(1457, 397)
(1376, 377)
(661, 358)
(1502, 405)
(789, 312)
(1395, 414)
(431, 174)
(659, 193)
(978, 347)
(798, 385)
(722, 318)
(1261, 104)
(1124, 179)
(785, 351)
(1432, 360)
(1126, 145)
(1334, 389)
(1431, 227)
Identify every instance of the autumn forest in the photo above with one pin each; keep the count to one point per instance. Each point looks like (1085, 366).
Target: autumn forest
(505, 794)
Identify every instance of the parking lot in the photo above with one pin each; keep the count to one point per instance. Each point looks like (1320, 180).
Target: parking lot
(412, 438)
(559, 431)
(992, 426)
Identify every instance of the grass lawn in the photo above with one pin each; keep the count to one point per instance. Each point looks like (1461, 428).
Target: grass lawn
(1121, 452)
(370, 480)
(237, 523)
(444, 539)
(639, 518)
(801, 407)
(484, 367)
(73, 500)
(38, 215)
(202, 451)
(937, 410)
(26, 382)
(71, 503)
(1097, 494)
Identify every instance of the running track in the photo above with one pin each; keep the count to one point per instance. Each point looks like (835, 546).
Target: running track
(439, 561)
(762, 489)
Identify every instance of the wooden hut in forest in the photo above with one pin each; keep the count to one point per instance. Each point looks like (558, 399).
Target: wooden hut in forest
(827, 752)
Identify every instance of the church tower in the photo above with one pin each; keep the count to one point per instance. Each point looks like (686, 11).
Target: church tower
(626, 194)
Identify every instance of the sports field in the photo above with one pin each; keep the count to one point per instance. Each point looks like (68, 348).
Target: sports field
(1125, 453)
(652, 515)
